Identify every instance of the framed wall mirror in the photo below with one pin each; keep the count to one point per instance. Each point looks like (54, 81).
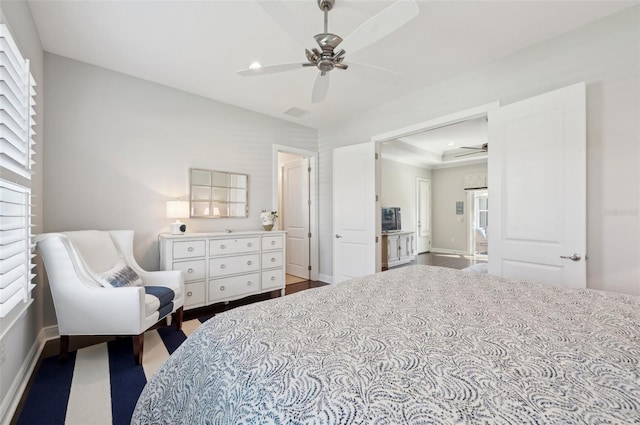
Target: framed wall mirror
(218, 194)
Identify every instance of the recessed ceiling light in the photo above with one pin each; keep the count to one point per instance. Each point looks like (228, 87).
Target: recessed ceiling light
(255, 65)
(450, 144)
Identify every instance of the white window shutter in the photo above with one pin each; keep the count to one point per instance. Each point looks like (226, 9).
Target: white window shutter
(16, 246)
(17, 113)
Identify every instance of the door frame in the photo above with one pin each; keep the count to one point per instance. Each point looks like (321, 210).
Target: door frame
(471, 202)
(418, 180)
(432, 124)
(314, 245)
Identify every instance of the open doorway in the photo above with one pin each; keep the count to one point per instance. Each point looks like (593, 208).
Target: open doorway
(479, 199)
(295, 196)
(448, 151)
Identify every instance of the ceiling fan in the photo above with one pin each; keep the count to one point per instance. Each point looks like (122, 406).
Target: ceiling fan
(327, 58)
(482, 149)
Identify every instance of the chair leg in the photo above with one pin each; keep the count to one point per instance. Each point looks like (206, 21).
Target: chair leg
(178, 317)
(64, 348)
(138, 347)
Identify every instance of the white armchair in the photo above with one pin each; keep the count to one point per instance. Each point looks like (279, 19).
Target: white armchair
(76, 264)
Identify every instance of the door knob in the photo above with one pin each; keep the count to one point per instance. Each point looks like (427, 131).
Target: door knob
(573, 257)
(338, 236)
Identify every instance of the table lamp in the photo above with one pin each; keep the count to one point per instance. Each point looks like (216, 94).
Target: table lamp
(178, 209)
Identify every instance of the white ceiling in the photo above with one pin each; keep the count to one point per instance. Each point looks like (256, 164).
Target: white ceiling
(197, 46)
(441, 147)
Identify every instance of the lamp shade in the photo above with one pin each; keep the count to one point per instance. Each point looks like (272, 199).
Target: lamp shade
(177, 209)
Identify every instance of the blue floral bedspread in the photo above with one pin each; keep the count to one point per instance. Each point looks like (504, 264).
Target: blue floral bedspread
(415, 345)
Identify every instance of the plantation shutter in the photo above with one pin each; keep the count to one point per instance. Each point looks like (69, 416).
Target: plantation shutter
(17, 114)
(17, 91)
(16, 251)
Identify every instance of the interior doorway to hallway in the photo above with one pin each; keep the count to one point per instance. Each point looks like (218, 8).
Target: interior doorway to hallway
(295, 199)
(479, 222)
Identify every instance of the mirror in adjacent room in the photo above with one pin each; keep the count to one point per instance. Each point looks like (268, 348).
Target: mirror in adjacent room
(218, 194)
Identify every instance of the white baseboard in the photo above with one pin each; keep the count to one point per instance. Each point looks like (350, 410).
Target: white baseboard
(325, 278)
(51, 332)
(19, 385)
(448, 251)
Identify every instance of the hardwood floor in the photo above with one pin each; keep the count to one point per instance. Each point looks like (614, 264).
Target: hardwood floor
(453, 261)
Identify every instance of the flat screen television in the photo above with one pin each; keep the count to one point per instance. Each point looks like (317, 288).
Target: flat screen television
(391, 219)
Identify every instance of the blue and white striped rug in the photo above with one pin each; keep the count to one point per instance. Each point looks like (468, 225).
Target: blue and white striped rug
(99, 384)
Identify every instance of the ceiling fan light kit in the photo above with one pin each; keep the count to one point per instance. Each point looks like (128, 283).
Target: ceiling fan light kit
(326, 58)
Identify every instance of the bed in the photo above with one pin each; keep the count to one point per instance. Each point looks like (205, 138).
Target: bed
(414, 345)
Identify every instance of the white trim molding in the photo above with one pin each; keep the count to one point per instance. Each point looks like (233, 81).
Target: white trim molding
(19, 384)
(449, 251)
(314, 224)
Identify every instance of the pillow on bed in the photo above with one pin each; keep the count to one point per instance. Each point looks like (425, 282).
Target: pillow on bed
(119, 276)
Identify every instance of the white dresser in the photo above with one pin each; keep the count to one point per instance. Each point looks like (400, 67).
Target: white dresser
(221, 267)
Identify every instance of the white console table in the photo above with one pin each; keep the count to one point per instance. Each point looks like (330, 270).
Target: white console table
(397, 248)
(220, 267)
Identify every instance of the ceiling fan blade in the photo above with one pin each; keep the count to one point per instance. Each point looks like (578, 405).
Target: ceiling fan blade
(320, 88)
(375, 72)
(271, 69)
(471, 147)
(286, 19)
(380, 25)
(470, 153)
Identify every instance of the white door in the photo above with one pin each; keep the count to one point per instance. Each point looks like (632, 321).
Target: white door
(354, 211)
(537, 187)
(424, 215)
(295, 202)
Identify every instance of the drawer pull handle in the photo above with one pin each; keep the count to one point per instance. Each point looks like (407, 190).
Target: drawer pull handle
(222, 288)
(189, 270)
(249, 283)
(273, 278)
(249, 263)
(189, 293)
(249, 244)
(273, 259)
(222, 266)
(190, 249)
(273, 242)
(223, 246)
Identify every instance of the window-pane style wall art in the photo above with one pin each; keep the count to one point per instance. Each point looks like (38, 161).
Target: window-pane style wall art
(218, 194)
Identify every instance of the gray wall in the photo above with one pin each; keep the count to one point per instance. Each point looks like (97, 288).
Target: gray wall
(447, 187)
(398, 189)
(605, 54)
(20, 340)
(119, 147)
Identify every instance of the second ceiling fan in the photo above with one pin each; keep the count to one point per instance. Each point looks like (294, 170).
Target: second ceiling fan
(326, 58)
(484, 148)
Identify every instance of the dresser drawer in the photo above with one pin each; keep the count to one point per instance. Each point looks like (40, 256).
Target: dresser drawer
(273, 279)
(191, 270)
(231, 265)
(233, 246)
(194, 295)
(189, 249)
(272, 242)
(271, 259)
(230, 287)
